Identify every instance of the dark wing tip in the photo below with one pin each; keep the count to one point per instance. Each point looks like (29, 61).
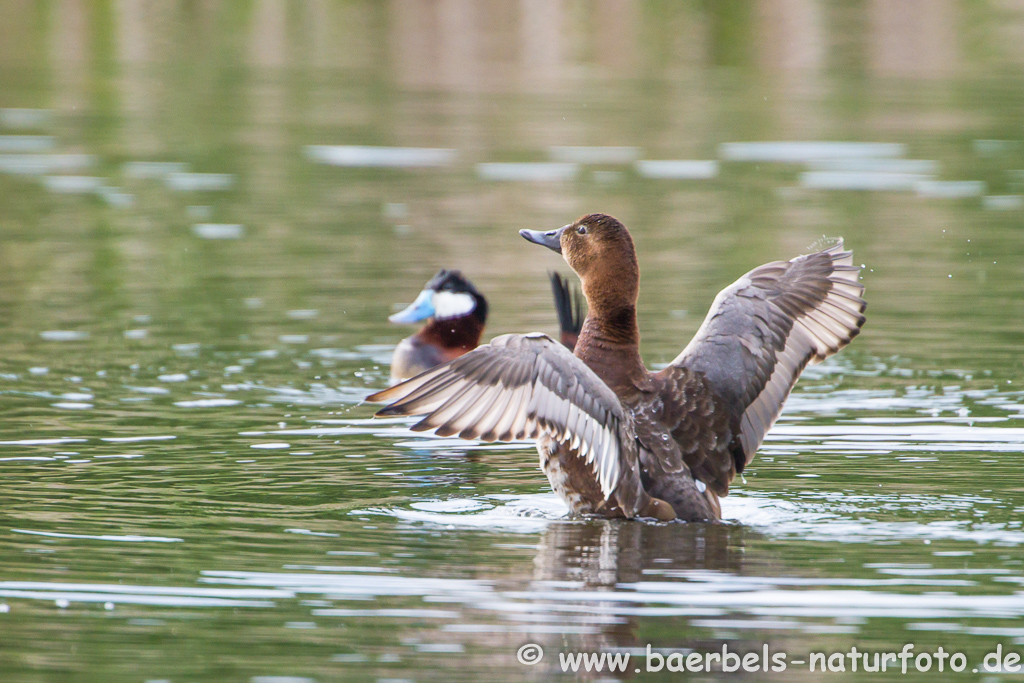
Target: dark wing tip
(377, 396)
(396, 396)
(390, 411)
(426, 425)
(389, 395)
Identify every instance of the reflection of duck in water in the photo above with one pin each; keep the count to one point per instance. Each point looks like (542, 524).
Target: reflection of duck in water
(607, 554)
(457, 313)
(615, 439)
(606, 586)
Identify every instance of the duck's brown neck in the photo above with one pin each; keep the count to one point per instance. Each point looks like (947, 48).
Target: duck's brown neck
(609, 343)
(461, 333)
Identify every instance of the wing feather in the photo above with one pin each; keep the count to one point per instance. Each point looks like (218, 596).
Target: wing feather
(527, 387)
(513, 413)
(464, 395)
(488, 425)
(759, 335)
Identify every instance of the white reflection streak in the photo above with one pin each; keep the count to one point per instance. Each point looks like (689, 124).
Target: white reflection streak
(957, 433)
(700, 594)
(381, 157)
(129, 538)
(133, 598)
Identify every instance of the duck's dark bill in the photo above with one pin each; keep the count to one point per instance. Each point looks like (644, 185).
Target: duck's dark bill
(552, 239)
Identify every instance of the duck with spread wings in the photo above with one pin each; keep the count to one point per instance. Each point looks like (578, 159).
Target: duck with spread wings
(616, 440)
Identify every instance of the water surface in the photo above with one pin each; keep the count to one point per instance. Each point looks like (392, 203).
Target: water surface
(209, 210)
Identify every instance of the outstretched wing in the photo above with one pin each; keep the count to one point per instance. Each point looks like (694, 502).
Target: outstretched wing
(523, 387)
(759, 335)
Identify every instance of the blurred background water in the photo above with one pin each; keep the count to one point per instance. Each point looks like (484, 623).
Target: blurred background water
(208, 209)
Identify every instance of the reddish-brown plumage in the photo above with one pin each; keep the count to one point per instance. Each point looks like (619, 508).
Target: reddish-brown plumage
(453, 337)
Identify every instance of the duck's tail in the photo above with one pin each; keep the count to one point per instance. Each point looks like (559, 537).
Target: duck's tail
(569, 305)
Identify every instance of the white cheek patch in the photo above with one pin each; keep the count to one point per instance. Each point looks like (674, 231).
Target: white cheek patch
(452, 304)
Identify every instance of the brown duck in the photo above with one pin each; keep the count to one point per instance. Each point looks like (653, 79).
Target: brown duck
(615, 439)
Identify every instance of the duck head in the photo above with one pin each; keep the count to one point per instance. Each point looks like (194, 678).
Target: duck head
(447, 296)
(600, 251)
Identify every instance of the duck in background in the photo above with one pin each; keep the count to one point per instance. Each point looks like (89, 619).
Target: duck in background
(457, 313)
(616, 440)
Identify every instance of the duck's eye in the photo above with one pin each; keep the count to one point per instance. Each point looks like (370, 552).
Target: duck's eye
(582, 230)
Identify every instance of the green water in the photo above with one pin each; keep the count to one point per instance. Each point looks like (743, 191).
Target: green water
(190, 489)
